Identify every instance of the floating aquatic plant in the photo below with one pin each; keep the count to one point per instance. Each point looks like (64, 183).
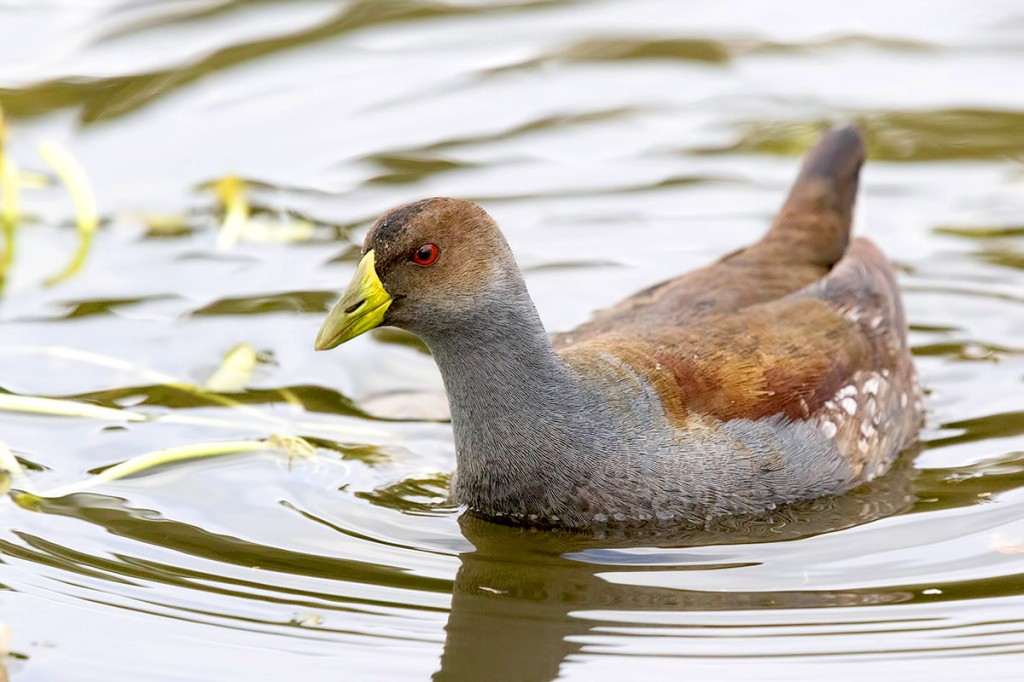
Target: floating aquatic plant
(9, 464)
(86, 218)
(231, 193)
(11, 209)
(235, 372)
(291, 446)
(58, 407)
(239, 223)
(82, 199)
(10, 470)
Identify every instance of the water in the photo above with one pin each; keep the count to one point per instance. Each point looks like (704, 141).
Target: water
(617, 143)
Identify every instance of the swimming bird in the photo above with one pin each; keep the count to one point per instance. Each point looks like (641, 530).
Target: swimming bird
(781, 372)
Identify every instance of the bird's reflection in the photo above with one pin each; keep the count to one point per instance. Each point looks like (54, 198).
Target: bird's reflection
(521, 596)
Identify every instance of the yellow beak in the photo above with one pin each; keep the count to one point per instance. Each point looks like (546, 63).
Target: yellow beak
(360, 309)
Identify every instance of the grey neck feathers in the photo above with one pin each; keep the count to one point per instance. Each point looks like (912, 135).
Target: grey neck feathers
(518, 411)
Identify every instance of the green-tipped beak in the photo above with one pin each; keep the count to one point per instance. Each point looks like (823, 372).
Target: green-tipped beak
(360, 309)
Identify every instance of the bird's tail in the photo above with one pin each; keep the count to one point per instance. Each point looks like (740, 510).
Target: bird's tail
(814, 223)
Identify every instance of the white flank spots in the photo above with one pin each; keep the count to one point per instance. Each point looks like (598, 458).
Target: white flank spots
(847, 392)
(871, 385)
(829, 429)
(850, 405)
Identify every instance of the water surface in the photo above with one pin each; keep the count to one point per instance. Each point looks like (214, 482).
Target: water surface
(617, 143)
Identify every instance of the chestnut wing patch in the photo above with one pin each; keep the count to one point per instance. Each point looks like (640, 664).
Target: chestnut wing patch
(786, 357)
(785, 360)
(728, 286)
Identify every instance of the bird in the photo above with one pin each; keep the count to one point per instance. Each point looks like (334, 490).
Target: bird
(782, 372)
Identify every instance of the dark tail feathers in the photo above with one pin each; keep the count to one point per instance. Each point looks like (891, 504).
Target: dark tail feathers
(814, 223)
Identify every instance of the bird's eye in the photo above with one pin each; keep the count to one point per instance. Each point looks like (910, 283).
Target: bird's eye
(426, 254)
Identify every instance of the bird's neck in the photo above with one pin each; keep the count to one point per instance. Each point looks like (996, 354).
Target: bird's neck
(518, 411)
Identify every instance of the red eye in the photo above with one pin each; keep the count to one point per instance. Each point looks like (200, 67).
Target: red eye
(426, 254)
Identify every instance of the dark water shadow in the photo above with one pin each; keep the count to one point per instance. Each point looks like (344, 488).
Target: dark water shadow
(108, 98)
(928, 135)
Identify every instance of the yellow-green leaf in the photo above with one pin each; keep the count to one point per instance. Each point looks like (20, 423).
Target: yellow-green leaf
(58, 407)
(86, 218)
(231, 192)
(292, 446)
(235, 371)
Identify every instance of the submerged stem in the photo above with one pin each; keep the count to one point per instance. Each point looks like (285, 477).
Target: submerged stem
(11, 207)
(86, 218)
(65, 408)
(231, 192)
(292, 446)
